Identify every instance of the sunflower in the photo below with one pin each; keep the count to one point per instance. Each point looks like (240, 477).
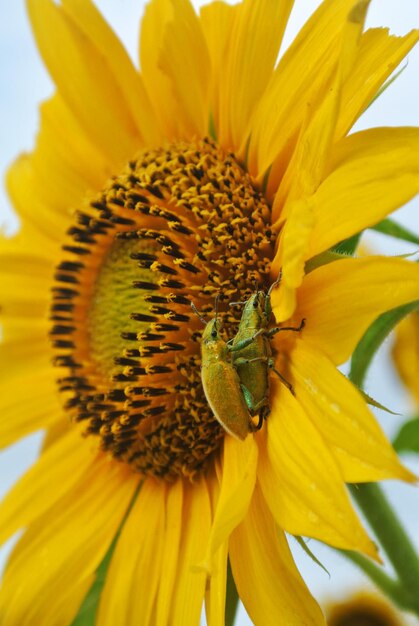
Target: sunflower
(207, 172)
(363, 609)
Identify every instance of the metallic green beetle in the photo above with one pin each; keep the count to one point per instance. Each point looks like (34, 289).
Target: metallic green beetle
(252, 353)
(221, 382)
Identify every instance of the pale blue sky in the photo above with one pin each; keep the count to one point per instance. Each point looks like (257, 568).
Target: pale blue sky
(24, 83)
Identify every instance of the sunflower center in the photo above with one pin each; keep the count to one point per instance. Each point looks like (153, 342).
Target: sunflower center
(115, 302)
(181, 224)
(363, 617)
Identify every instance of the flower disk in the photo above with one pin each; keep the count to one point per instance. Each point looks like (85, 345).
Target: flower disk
(181, 224)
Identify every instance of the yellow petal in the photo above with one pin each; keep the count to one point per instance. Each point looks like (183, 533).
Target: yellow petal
(25, 238)
(55, 432)
(306, 168)
(352, 36)
(136, 567)
(49, 479)
(341, 415)
(293, 199)
(85, 80)
(301, 481)
(372, 173)
(66, 165)
(21, 357)
(95, 28)
(25, 281)
(24, 296)
(406, 353)
(18, 302)
(38, 405)
(238, 479)
(189, 590)
(379, 55)
(59, 184)
(18, 305)
(267, 579)
(24, 304)
(301, 77)
(171, 547)
(63, 548)
(64, 608)
(30, 264)
(340, 300)
(175, 66)
(23, 189)
(255, 39)
(63, 168)
(215, 597)
(23, 328)
(291, 256)
(217, 21)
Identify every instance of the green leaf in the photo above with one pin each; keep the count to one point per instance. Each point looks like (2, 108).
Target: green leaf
(232, 599)
(323, 259)
(407, 439)
(375, 403)
(87, 612)
(393, 229)
(373, 338)
(386, 227)
(386, 85)
(348, 246)
(309, 553)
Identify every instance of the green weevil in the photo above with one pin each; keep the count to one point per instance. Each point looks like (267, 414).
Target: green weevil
(252, 353)
(221, 382)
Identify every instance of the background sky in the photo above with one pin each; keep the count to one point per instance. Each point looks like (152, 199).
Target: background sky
(25, 83)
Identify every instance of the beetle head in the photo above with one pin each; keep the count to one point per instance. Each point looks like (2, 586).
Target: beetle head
(212, 330)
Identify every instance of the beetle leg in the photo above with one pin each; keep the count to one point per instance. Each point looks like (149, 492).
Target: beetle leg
(243, 361)
(265, 411)
(271, 365)
(260, 408)
(287, 384)
(246, 342)
(248, 397)
(254, 427)
(272, 331)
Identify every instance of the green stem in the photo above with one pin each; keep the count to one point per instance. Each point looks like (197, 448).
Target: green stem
(390, 587)
(371, 499)
(232, 599)
(393, 539)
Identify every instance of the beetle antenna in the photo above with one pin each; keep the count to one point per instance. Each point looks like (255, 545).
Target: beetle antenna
(275, 283)
(216, 305)
(195, 310)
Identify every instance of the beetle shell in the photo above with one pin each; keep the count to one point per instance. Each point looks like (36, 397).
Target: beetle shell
(254, 376)
(221, 384)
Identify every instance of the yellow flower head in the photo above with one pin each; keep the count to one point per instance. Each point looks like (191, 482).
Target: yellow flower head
(203, 175)
(363, 609)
